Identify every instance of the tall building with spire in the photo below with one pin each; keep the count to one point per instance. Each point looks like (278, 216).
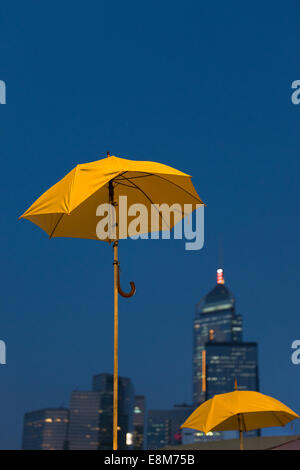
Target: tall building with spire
(219, 354)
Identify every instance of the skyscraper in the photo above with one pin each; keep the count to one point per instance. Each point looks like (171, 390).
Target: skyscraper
(104, 384)
(139, 422)
(84, 430)
(227, 362)
(91, 414)
(46, 429)
(219, 354)
(163, 426)
(88, 424)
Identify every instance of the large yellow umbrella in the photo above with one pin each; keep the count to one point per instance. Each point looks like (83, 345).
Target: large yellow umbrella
(239, 410)
(70, 208)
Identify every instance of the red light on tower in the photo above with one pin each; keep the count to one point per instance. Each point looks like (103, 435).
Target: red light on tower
(220, 276)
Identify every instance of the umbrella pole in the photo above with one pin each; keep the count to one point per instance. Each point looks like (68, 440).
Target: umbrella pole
(116, 292)
(241, 441)
(241, 432)
(115, 386)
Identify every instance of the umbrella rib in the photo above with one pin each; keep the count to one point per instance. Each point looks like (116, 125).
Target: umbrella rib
(135, 177)
(210, 412)
(119, 175)
(177, 185)
(243, 421)
(281, 424)
(55, 227)
(165, 179)
(123, 184)
(146, 195)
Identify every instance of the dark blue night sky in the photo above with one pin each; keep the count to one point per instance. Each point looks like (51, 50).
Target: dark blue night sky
(205, 88)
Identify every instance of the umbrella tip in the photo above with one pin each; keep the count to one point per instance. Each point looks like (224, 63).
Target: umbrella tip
(235, 384)
(108, 154)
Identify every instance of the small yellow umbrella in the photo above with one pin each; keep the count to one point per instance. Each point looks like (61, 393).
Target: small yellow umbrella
(239, 410)
(70, 209)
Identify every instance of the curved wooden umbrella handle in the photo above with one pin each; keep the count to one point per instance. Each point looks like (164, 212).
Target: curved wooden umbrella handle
(121, 292)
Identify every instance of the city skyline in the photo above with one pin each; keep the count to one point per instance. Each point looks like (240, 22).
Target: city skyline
(219, 309)
(222, 362)
(226, 339)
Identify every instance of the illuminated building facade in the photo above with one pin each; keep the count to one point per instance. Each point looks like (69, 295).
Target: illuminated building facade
(163, 426)
(215, 321)
(219, 354)
(139, 422)
(89, 422)
(91, 415)
(46, 429)
(84, 431)
(103, 383)
(227, 362)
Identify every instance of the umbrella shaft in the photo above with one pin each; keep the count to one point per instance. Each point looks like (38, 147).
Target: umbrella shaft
(241, 431)
(115, 388)
(241, 441)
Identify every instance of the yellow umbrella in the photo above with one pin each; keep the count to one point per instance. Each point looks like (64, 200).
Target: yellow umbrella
(239, 410)
(70, 209)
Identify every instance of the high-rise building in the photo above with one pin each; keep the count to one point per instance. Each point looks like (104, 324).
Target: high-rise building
(219, 354)
(215, 321)
(163, 426)
(91, 415)
(85, 412)
(104, 384)
(227, 362)
(88, 425)
(139, 423)
(46, 429)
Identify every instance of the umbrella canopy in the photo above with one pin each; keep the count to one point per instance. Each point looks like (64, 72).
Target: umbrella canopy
(239, 410)
(68, 209)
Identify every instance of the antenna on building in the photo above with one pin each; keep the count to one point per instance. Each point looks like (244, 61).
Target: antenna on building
(220, 271)
(220, 276)
(220, 252)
